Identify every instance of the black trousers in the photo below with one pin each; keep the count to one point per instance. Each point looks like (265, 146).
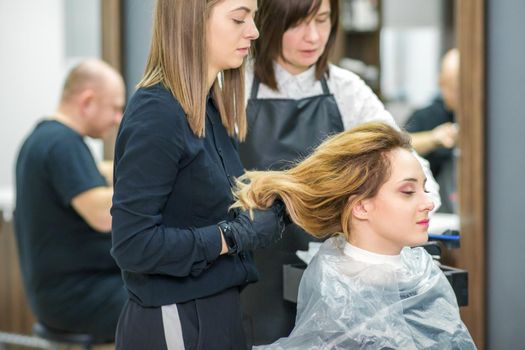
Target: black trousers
(211, 323)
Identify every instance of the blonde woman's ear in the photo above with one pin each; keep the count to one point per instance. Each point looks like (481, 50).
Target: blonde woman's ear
(359, 210)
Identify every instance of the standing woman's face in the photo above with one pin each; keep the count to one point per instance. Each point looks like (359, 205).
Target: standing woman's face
(230, 30)
(306, 42)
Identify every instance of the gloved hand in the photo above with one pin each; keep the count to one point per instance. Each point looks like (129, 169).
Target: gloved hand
(243, 233)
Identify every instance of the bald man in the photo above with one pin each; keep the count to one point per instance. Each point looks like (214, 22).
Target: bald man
(62, 216)
(434, 132)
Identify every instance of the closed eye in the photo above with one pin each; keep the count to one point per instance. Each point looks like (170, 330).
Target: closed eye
(322, 19)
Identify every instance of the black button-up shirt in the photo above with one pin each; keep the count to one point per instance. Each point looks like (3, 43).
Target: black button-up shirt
(171, 189)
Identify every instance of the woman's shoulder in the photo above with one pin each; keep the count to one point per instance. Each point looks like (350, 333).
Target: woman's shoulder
(342, 76)
(154, 116)
(155, 96)
(154, 106)
(346, 84)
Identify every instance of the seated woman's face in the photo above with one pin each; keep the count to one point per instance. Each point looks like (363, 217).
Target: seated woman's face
(305, 43)
(398, 215)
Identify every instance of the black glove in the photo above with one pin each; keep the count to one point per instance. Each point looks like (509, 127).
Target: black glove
(242, 233)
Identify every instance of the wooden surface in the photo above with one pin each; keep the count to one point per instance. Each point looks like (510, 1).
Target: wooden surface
(471, 166)
(111, 14)
(111, 32)
(15, 315)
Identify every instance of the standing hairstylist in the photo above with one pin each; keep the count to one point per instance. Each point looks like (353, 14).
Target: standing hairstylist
(181, 252)
(296, 99)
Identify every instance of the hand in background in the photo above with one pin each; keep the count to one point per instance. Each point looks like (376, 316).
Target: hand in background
(446, 134)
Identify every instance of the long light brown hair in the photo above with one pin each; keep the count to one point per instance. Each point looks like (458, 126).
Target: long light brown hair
(178, 60)
(273, 19)
(320, 190)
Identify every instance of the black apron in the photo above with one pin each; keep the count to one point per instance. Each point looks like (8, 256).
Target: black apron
(280, 132)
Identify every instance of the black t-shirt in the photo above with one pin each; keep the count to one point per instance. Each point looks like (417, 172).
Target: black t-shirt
(67, 267)
(426, 119)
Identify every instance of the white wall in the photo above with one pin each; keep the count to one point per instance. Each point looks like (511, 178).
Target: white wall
(35, 55)
(411, 39)
(410, 64)
(138, 17)
(83, 28)
(31, 61)
(411, 13)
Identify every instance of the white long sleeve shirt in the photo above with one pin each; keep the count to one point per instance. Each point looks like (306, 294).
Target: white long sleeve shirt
(356, 101)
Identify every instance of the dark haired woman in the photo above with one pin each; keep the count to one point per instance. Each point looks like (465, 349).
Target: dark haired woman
(296, 98)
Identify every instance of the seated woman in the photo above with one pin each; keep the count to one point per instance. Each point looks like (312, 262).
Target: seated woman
(365, 289)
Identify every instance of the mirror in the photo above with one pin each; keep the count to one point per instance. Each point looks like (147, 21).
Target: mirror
(397, 47)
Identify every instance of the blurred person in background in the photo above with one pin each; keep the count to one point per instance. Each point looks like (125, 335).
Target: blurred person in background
(434, 131)
(63, 200)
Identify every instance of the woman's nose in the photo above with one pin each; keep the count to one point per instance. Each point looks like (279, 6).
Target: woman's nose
(252, 32)
(428, 204)
(312, 33)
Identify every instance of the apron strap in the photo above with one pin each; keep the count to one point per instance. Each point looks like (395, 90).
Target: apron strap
(255, 87)
(324, 84)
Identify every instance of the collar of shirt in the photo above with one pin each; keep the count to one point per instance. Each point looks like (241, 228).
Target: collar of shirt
(295, 84)
(370, 257)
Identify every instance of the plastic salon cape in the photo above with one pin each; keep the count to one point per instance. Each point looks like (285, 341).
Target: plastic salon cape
(346, 304)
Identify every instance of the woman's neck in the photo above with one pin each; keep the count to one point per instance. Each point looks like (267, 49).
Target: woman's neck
(290, 68)
(367, 239)
(370, 257)
(212, 76)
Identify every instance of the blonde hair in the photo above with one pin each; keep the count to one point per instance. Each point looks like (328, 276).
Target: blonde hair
(320, 190)
(178, 60)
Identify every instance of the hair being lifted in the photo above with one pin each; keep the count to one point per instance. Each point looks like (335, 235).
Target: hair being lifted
(320, 190)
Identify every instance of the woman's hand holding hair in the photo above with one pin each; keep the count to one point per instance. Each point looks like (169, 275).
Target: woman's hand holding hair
(259, 230)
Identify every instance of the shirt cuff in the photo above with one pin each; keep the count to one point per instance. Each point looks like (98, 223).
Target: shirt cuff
(210, 238)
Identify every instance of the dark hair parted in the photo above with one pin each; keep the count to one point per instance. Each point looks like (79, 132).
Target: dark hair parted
(273, 19)
(319, 192)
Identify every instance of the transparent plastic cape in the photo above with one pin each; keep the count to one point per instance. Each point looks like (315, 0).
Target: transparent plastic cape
(347, 304)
